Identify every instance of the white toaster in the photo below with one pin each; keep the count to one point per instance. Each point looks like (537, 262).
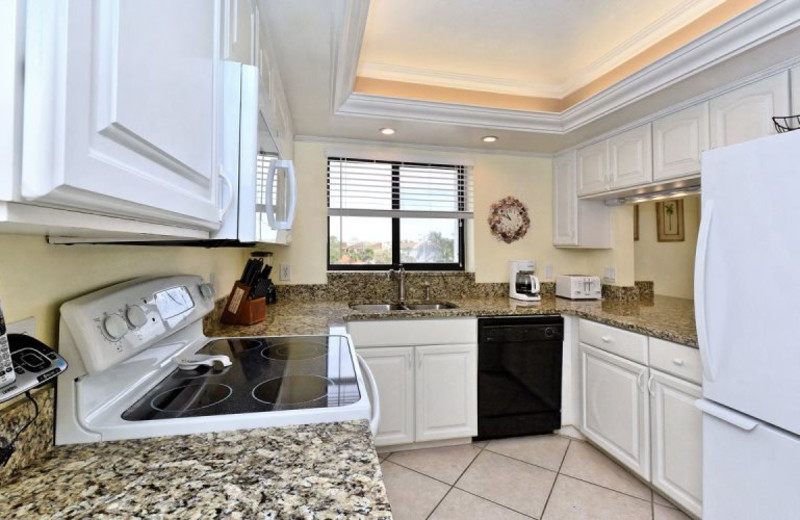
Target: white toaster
(579, 287)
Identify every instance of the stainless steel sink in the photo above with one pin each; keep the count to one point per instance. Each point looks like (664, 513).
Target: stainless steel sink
(439, 306)
(379, 307)
(388, 307)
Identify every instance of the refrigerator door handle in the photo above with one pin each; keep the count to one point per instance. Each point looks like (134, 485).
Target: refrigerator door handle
(709, 371)
(743, 422)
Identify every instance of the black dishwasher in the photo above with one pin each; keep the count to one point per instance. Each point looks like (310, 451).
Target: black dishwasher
(519, 375)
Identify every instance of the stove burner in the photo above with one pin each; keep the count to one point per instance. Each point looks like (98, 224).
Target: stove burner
(294, 351)
(292, 390)
(223, 346)
(190, 397)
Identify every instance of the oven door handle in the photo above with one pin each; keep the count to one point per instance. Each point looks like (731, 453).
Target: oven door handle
(373, 394)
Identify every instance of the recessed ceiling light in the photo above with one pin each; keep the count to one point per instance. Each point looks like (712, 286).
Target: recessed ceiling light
(490, 139)
(387, 131)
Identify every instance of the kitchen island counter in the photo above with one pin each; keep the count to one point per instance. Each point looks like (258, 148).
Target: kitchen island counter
(667, 318)
(312, 471)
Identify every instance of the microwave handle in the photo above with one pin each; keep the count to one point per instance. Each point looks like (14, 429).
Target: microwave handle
(226, 207)
(273, 222)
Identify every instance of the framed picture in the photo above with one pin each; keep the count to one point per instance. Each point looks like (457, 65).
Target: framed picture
(636, 222)
(669, 219)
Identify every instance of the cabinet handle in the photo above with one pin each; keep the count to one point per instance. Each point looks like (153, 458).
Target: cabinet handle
(606, 339)
(649, 385)
(639, 381)
(678, 361)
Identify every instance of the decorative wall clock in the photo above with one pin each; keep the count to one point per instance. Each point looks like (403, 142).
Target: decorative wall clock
(508, 219)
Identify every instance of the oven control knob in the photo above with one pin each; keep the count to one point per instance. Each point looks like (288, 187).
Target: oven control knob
(135, 316)
(114, 327)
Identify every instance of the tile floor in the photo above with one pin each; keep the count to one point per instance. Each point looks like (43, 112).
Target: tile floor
(544, 477)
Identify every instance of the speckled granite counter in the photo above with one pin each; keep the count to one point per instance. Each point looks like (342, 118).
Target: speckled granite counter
(312, 471)
(667, 318)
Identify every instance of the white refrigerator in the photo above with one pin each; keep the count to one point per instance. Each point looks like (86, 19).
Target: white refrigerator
(747, 306)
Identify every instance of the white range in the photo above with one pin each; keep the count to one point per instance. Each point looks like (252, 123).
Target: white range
(140, 366)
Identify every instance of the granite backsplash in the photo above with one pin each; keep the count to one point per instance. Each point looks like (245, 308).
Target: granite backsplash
(37, 439)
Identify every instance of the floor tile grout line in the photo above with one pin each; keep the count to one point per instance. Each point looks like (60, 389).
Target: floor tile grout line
(522, 461)
(555, 480)
(603, 487)
(453, 485)
(440, 481)
(439, 503)
(504, 506)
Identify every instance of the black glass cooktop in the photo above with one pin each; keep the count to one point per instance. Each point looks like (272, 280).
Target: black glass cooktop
(266, 374)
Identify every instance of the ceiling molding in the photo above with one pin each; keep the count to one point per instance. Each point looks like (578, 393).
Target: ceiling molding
(763, 22)
(350, 22)
(438, 78)
(680, 16)
(375, 143)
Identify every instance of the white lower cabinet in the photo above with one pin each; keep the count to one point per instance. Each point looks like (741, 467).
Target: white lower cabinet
(393, 371)
(615, 407)
(446, 392)
(677, 442)
(427, 393)
(642, 416)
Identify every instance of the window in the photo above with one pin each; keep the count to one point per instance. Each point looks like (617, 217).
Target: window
(382, 214)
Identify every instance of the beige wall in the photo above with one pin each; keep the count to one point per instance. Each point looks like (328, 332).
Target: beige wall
(496, 176)
(36, 278)
(669, 264)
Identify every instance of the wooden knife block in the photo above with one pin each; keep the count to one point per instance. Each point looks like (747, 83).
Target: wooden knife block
(239, 310)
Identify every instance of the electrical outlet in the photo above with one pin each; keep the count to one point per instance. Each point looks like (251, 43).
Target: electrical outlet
(610, 274)
(26, 326)
(548, 272)
(285, 273)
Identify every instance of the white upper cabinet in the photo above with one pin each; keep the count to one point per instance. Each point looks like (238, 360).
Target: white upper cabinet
(795, 74)
(746, 113)
(122, 110)
(239, 31)
(593, 168)
(565, 201)
(630, 158)
(576, 223)
(678, 140)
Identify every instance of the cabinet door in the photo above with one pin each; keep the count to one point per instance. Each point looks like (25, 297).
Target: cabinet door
(122, 109)
(614, 411)
(593, 168)
(446, 392)
(565, 201)
(678, 140)
(677, 432)
(630, 157)
(393, 368)
(239, 31)
(746, 113)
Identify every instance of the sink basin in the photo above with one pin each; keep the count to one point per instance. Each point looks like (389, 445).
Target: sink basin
(388, 307)
(431, 306)
(379, 307)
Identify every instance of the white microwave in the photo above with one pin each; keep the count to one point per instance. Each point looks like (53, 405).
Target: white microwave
(261, 186)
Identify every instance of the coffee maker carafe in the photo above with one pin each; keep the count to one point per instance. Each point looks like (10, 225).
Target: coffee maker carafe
(522, 283)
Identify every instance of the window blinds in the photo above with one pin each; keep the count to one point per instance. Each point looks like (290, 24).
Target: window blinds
(367, 188)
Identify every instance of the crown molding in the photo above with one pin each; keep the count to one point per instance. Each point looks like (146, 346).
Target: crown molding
(756, 26)
(374, 143)
(349, 24)
(680, 16)
(437, 78)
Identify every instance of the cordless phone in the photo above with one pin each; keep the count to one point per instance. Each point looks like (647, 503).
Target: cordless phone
(7, 374)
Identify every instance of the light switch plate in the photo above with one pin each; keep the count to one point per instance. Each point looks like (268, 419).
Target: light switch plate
(548, 272)
(610, 274)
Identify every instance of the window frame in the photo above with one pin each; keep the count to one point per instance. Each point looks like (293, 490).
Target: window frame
(396, 264)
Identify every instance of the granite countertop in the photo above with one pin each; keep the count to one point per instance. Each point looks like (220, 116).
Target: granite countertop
(665, 317)
(311, 471)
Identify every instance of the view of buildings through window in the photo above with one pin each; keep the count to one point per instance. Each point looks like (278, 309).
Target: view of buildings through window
(382, 214)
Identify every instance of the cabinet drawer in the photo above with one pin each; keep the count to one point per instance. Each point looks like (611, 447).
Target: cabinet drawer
(676, 359)
(620, 342)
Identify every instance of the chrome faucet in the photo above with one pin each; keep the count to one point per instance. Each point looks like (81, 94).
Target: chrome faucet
(401, 278)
